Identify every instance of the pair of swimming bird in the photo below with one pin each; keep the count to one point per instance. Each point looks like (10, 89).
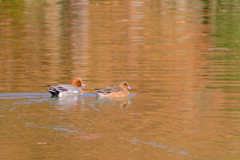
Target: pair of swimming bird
(74, 89)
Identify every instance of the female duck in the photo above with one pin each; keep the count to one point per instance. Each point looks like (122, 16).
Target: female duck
(72, 89)
(114, 91)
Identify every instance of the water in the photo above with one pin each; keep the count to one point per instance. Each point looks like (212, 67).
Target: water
(181, 59)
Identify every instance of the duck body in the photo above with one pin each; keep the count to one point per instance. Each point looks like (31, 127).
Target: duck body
(65, 90)
(114, 91)
(72, 89)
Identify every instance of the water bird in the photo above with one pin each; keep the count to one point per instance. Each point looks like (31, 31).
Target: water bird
(114, 91)
(72, 89)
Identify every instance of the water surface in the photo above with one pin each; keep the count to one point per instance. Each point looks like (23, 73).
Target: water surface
(181, 58)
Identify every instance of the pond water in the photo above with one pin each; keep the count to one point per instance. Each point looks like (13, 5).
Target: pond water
(181, 58)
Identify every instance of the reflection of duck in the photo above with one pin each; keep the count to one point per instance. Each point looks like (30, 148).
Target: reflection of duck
(66, 89)
(115, 91)
(122, 102)
(66, 102)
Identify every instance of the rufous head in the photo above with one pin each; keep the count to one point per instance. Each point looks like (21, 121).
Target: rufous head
(124, 85)
(78, 83)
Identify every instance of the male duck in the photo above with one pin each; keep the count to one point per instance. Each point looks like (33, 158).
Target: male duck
(67, 90)
(114, 91)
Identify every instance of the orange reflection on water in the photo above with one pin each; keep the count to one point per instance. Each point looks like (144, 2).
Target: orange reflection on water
(159, 47)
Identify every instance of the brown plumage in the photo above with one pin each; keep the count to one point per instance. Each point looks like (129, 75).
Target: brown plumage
(115, 91)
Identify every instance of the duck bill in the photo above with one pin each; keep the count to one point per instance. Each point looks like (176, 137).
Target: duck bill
(83, 85)
(129, 88)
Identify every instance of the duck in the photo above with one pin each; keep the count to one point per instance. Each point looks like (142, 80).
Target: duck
(72, 89)
(119, 90)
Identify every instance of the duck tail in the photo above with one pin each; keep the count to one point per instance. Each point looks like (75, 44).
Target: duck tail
(52, 90)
